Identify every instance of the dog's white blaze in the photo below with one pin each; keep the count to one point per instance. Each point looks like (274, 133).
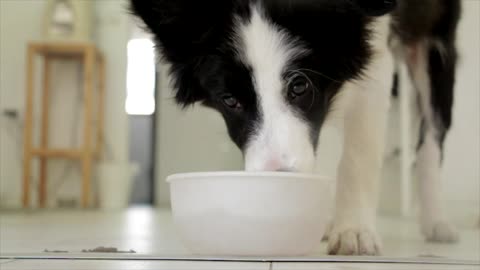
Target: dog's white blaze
(281, 140)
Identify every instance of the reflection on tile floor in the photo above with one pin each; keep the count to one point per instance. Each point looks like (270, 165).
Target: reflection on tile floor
(151, 232)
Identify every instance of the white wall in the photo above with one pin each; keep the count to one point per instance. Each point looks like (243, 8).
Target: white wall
(461, 172)
(12, 59)
(20, 22)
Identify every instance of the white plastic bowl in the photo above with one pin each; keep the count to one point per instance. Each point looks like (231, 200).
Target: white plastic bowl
(250, 213)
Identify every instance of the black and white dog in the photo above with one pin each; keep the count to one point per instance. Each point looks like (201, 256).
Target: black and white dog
(278, 70)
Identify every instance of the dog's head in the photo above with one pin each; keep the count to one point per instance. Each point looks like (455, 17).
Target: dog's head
(272, 68)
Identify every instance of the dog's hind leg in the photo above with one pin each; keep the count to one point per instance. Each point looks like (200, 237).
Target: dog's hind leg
(432, 69)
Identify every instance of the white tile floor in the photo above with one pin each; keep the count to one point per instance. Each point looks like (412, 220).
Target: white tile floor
(137, 265)
(25, 235)
(128, 265)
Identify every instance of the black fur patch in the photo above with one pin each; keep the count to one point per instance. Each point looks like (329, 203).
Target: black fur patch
(416, 20)
(395, 85)
(223, 75)
(376, 7)
(336, 32)
(441, 70)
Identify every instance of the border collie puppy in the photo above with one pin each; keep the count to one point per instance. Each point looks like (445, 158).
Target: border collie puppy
(278, 70)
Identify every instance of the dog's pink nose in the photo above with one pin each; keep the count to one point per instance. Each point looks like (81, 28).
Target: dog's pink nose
(275, 165)
(272, 165)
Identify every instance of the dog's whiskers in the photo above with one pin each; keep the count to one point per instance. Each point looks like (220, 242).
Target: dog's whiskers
(319, 73)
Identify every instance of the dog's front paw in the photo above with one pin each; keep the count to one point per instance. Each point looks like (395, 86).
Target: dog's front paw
(353, 241)
(440, 231)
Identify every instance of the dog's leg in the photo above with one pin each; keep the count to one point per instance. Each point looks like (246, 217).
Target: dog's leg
(354, 231)
(432, 68)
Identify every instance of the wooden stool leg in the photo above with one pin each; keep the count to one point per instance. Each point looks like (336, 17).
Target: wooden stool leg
(101, 98)
(89, 62)
(42, 196)
(27, 135)
(100, 80)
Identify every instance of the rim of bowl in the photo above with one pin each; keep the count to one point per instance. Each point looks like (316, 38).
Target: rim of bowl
(288, 175)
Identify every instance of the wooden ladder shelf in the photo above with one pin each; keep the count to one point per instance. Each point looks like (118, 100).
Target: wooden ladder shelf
(93, 67)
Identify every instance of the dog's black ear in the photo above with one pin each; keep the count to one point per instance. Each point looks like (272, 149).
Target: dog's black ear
(375, 8)
(185, 32)
(183, 28)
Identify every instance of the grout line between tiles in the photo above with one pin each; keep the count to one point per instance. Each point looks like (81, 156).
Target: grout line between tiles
(9, 261)
(345, 259)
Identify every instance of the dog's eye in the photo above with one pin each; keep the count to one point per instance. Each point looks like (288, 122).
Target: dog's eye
(297, 87)
(231, 101)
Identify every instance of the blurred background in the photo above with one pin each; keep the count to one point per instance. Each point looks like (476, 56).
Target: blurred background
(146, 137)
(143, 130)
